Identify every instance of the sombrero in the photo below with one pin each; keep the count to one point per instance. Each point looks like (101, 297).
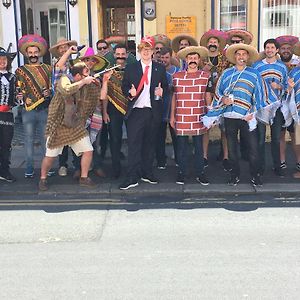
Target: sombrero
(101, 63)
(178, 38)
(116, 39)
(253, 54)
(30, 40)
(202, 51)
(243, 34)
(163, 39)
(62, 41)
(9, 55)
(287, 39)
(219, 35)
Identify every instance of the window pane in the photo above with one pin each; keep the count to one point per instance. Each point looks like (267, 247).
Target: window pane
(233, 14)
(279, 17)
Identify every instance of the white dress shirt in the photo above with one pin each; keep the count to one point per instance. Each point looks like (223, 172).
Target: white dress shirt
(144, 99)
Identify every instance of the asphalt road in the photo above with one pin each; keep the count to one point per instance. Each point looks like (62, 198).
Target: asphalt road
(203, 253)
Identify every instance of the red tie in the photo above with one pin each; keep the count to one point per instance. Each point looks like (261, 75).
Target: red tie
(144, 79)
(146, 75)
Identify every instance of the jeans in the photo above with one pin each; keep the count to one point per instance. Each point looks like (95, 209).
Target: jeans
(161, 143)
(31, 121)
(182, 144)
(232, 126)
(275, 141)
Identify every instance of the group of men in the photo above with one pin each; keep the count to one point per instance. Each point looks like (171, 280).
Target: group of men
(176, 84)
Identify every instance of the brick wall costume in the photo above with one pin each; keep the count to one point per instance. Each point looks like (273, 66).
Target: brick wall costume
(7, 101)
(86, 100)
(189, 89)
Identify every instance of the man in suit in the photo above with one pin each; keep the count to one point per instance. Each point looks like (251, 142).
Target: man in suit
(143, 84)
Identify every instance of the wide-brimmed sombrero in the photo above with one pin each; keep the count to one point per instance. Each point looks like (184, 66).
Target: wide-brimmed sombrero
(287, 39)
(231, 50)
(243, 34)
(30, 40)
(163, 39)
(116, 39)
(9, 55)
(218, 34)
(101, 63)
(202, 51)
(178, 38)
(62, 41)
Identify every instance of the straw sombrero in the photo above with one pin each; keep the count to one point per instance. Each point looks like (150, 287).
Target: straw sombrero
(178, 38)
(243, 34)
(219, 35)
(202, 51)
(253, 54)
(101, 63)
(62, 41)
(31, 40)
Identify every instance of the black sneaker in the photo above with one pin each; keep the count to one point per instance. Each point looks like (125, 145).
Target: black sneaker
(256, 181)
(7, 176)
(180, 178)
(51, 173)
(205, 161)
(161, 166)
(129, 183)
(233, 181)
(283, 165)
(226, 165)
(150, 179)
(279, 172)
(298, 166)
(202, 179)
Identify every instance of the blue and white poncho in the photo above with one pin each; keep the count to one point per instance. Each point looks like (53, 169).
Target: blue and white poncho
(272, 72)
(248, 90)
(292, 107)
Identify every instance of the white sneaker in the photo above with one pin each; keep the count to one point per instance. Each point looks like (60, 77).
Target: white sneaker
(63, 171)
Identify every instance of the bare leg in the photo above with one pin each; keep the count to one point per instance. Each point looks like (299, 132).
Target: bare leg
(86, 161)
(205, 144)
(224, 144)
(282, 146)
(46, 166)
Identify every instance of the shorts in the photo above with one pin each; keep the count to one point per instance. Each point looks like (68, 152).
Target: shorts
(290, 129)
(79, 147)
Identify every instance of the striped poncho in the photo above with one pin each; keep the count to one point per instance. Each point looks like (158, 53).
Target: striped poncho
(248, 90)
(272, 72)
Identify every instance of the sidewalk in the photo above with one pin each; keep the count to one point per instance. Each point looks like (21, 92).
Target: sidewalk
(108, 187)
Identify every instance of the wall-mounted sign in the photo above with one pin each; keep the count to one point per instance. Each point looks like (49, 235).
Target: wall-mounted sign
(149, 10)
(180, 25)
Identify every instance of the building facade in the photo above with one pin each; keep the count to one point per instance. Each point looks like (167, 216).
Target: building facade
(88, 20)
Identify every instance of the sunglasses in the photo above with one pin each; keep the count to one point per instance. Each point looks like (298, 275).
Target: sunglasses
(236, 41)
(102, 48)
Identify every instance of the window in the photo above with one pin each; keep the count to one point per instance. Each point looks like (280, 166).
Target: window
(233, 14)
(279, 17)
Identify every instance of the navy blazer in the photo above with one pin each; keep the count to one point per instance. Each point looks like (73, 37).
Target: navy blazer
(133, 74)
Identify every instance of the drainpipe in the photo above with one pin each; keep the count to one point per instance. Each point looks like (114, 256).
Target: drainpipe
(68, 19)
(90, 23)
(258, 25)
(16, 30)
(142, 19)
(212, 8)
